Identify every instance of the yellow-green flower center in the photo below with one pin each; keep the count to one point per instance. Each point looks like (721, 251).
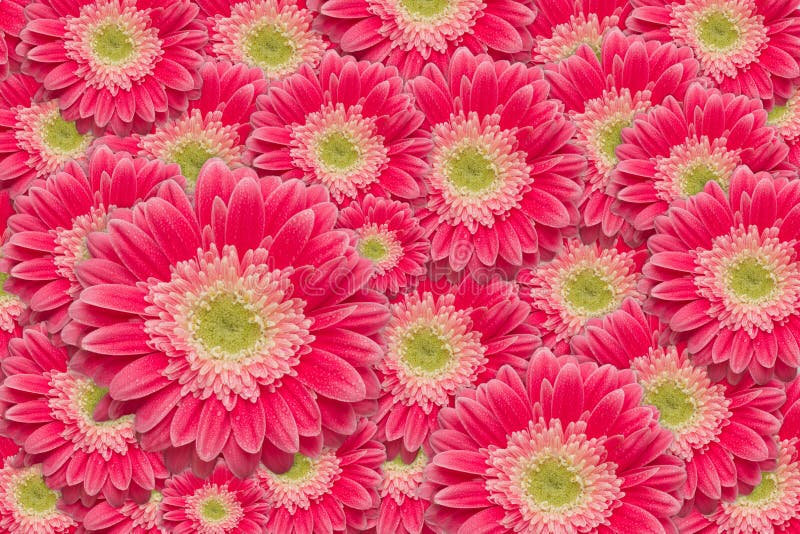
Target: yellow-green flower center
(778, 114)
(750, 280)
(425, 351)
(553, 484)
(268, 47)
(471, 170)
(62, 136)
(225, 323)
(610, 137)
(675, 406)
(588, 292)
(338, 152)
(696, 177)
(190, 157)
(91, 395)
(373, 249)
(716, 30)
(426, 9)
(34, 496)
(764, 492)
(302, 468)
(112, 45)
(213, 510)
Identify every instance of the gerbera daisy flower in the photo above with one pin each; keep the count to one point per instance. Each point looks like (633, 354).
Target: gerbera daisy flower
(352, 128)
(27, 504)
(244, 307)
(48, 233)
(784, 115)
(216, 125)
(273, 35)
(52, 412)
(746, 47)
(725, 276)
(402, 507)
(121, 63)
(410, 34)
(387, 234)
(603, 96)
(679, 146)
(582, 282)
(504, 178)
(331, 491)
(35, 140)
(130, 518)
(562, 26)
(11, 24)
(724, 433)
(219, 504)
(442, 339)
(558, 453)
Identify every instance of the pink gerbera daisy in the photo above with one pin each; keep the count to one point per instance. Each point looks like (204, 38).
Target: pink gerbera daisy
(679, 146)
(725, 276)
(390, 237)
(582, 282)
(53, 413)
(27, 504)
(236, 326)
(11, 23)
(130, 518)
(784, 115)
(219, 504)
(48, 233)
(120, 63)
(35, 141)
(504, 177)
(603, 94)
(403, 507)
(331, 491)
(409, 34)
(442, 339)
(564, 452)
(273, 35)
(216, 125)
(562, 26)
(723, 432)
(352, 128)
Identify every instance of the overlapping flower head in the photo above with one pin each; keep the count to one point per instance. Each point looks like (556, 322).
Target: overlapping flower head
(679, 146)
(132, 517)
(403, 504)
(120, 63)
(11, 24)
(351, 126)
(725, 277)
(503, 181)
(745, 47)
(604, 88)
(409, 34)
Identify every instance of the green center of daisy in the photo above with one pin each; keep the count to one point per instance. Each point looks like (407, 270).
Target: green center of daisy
(3, 278)
(62, 136)
(91, 395)
(675, 406)
(553, 484)
(718, 31)
(426, 9)
(750, 280)
(610, 137)
(777, 114)
(696, 177)
(34, 496)
(302, 468)
(190, 157)
(268, 47)
(764, 492)
(338, 152)
(471, 170)
(225, 323)
(373, 249)
(425, 351)
(589, 292)
(213, 510)
(112, 44)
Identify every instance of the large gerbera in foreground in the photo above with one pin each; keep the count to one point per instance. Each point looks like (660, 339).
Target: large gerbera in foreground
(120, 63)
(504, 177)
(27, 504)
(725, 276)
(747, 47)
(564, 452)
(351, 127)
(235, 327)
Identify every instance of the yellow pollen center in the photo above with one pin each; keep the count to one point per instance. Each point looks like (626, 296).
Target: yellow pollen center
(62, 136)
(112, 45)
(373, 249)
(752, 281)
(610, 137)
(696, 177)
(675, 406)
(336, 151)
(552, 484)
(213, 510)
(426, 9)
(302, 468)
(225, 323)
(588, 292)
(190, 157)
(764, 492)
(471, 171)
(268, 47)
(718, 31)
(423, 350)
(34, 496)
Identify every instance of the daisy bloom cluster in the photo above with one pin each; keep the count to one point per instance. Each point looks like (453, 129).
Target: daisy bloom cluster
(399, 267)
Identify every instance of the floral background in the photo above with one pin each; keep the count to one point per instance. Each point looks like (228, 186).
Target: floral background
(400, 266)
